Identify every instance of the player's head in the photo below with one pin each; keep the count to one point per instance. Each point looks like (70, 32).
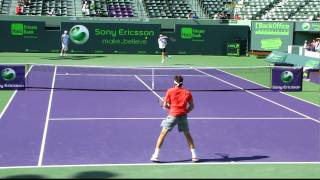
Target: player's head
(178, 80)
(65, 32)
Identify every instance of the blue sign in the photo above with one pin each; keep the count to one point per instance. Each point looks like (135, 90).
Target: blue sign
(12, 77)
(287, 78)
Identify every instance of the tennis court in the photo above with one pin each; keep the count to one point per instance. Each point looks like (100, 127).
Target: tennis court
(84, 116)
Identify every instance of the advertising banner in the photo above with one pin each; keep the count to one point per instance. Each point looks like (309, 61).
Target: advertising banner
(271, 35)
(21, 36)
(12, 77)
(287, 78)
(112, 38)
(308, 26)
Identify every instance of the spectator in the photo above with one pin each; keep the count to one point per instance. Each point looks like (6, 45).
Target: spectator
(317, 45)
(52, 12)
(192, 15)
(237, 17)
(19, 9)
(85, 8)
(26, 2)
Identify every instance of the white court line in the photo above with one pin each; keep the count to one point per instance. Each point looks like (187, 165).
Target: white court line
(157, 118)
(125, 75)
(268, 87)
(148, 87)
(159, 164)
(44, 137)
(13, 95)
(273, 102)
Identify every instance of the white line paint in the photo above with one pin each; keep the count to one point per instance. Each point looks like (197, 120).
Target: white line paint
(44, 137)
(159, 164)
(268, 87)
(266, 99)
(157, 118)
(148, 87)
(12, 96)
(124, 75)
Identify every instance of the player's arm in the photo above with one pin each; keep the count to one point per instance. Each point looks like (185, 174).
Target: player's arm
(166, 101)
(190, 105)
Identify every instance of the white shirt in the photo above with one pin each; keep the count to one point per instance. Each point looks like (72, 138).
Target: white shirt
(162, 41)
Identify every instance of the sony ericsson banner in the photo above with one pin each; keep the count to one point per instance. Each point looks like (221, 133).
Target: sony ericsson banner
(112, 38)
(287, 78)
(271, 35)
(12, 77)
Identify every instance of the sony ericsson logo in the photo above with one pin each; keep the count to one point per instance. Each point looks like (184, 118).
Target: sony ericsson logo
(8, 74)
(286, 77)
(79, 34)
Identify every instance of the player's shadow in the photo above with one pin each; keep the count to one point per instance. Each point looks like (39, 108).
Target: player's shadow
(94, 175)
(224, 158)
(26, 176)
(71, 57)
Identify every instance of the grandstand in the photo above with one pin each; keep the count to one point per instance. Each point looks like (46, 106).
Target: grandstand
(295, 10)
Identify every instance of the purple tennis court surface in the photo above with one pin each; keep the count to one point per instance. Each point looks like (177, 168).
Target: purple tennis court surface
(70, 127)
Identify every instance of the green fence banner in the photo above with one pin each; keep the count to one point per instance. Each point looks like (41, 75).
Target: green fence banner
(112, 38)
(308, 26)
(271, 35)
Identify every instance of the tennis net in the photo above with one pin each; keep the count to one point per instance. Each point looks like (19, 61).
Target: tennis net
(98, 78)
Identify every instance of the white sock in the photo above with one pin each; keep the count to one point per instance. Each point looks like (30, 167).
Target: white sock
(193, 152)
(156, 152)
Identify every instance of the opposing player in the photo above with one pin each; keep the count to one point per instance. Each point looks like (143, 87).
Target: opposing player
(162, 41)
(64, 43)
(179, 102)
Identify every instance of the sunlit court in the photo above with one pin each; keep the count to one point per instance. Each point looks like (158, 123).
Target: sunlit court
(159, 89)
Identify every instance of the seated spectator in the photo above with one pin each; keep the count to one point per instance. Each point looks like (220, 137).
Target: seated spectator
(222, 15)
(19, 9)
(192, 15)
(237, 17)
(85, 8)
(317, 45)
(51, 12)
(26, 2)
(216, 16)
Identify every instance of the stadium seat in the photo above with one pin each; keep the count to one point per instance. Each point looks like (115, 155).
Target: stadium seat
(167, 8)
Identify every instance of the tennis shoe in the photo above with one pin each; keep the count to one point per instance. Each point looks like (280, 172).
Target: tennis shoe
(154, 158)
(195, 159)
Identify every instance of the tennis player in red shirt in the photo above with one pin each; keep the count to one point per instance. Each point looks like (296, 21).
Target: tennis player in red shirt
(179, 102)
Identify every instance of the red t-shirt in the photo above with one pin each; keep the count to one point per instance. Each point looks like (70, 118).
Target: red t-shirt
(178, 99)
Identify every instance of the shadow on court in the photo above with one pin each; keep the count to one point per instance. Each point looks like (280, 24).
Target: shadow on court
(26, 176)
(94, 175)
(224, 158)
(70, 57)
(227, 158)
(183, 64)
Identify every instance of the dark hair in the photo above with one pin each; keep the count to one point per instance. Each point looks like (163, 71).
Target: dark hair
(179, 80)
